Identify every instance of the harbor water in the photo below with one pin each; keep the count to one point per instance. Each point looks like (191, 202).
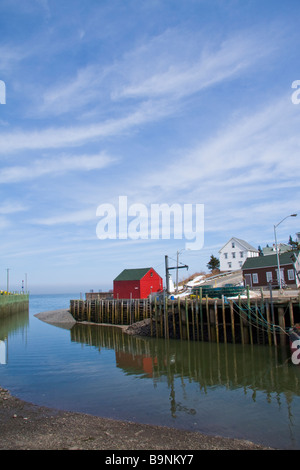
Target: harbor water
(241, 391)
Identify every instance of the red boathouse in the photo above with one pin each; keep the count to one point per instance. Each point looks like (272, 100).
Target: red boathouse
(137, 283)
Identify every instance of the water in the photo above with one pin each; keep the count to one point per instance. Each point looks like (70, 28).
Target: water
(228, 390)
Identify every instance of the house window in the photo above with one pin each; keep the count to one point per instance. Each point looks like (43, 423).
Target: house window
(233, 245)
(242, 254)
(226, 255)
(255, 278)
(291, 275)
(229, 265)
(269, 276)
(233, 254)
(241, 263)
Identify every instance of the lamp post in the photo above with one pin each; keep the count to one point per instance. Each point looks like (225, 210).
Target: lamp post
(277, 251)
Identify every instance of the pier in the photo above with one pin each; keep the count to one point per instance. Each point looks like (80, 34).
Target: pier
(12, 303)
(245, 320)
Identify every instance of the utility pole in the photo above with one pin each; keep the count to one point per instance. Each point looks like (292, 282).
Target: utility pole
(167, 272)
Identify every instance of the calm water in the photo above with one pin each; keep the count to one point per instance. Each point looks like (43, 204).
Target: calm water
(234, 391)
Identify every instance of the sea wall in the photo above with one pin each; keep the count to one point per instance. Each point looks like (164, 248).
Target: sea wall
(12, 303)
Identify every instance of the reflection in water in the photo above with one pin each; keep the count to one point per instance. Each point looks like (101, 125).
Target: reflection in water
(250, 368)
(250, 392)
(10, 325)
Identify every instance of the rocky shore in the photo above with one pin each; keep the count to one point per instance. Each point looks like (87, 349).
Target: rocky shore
(26, 426)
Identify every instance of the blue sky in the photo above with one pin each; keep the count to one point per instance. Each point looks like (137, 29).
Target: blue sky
(169, 101)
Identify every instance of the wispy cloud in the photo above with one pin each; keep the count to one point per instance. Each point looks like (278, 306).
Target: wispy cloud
(170, 69)
(51, 138)
(11, 207)
(55, 166)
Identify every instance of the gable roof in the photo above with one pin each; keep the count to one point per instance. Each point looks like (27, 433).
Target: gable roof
(246, 245)
(132, 274)
(269, 261)
(283, 248)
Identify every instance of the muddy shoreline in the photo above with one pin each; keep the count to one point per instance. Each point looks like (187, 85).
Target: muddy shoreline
(26, 426)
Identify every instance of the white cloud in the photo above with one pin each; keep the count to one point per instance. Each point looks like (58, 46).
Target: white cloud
(259, 149)
(166, 66)
(51, 138)
(75, 217)
(55, 166)
(11, 207)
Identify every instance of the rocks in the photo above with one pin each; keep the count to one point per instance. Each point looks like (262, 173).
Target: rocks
(141, 328)
(61, 318)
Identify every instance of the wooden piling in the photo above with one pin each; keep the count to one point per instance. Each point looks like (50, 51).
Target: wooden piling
(232, 321)
(241, 322)
(201, 315)
(291, 313)
(187, 319)
(224, 320)
(216, 320)
(208, 319)
(179, 317)
(269, 322)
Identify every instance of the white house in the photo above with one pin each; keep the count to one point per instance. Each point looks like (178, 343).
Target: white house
(234, 253)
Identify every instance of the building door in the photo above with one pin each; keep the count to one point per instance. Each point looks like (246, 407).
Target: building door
(248, 280)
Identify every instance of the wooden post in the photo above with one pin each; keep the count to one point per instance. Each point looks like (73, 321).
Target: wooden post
(208, 319)
(268, 320)
(193, 319)
(156, 319)
(166, 319)
(241, 321)
(197, 318)
(179, 317)
(224, 319)
(216, 320)
(281, 322)
(232, 321)
(201, 314)
(174, 321)
(291, 313)
(249, 315)
(187, 319)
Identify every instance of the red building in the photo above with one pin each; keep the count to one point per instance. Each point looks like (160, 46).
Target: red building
(137, 283)
(262, 271)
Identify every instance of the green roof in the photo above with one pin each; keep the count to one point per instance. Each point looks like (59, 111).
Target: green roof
(269, 261)
(132, 274)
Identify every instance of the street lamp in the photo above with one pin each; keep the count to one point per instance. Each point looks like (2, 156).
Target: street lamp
(276, 247)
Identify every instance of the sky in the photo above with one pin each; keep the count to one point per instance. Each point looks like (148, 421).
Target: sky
(182, 103)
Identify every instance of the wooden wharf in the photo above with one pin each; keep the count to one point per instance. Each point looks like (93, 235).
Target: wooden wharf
(245, 320)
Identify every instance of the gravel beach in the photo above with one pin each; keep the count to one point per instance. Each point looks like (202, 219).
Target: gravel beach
(26, 426)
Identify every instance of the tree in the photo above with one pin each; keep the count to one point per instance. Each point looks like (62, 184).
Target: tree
(213, 263)
(295, 246)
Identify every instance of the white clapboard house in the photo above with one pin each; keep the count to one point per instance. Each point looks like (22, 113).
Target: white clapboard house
(234, 253)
